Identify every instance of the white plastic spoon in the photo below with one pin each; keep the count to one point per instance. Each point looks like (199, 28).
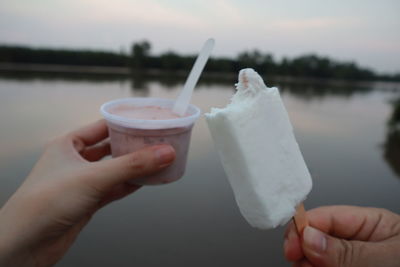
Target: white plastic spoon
(183, 100)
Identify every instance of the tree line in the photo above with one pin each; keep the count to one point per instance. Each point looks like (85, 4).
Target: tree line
(141, 58)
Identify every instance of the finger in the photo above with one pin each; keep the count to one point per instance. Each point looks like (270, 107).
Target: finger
(323, 250)
(92, 133)
(355, 223)
(96, 152)
(109, 173)
(292, 244)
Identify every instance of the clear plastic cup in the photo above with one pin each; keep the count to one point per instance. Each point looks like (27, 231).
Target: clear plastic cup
(128, 135)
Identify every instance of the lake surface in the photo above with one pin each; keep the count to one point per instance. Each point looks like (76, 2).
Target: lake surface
(348, 132)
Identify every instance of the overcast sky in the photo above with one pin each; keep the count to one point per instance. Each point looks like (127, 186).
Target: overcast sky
(366, 31)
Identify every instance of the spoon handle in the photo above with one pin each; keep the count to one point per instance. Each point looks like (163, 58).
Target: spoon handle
(183, 100)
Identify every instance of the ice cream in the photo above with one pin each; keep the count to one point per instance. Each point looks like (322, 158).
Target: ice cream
(258, 150)
(143, 112)
(134, 123)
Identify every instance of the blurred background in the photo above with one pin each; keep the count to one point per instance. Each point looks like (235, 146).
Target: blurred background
(337, 65)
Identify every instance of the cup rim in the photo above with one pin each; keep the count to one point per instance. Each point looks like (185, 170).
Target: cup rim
(149, 124)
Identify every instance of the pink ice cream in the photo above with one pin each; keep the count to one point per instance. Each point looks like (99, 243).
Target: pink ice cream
(143, 113)
(125, 139)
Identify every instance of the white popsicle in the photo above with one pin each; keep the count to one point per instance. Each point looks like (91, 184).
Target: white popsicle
(262, 160)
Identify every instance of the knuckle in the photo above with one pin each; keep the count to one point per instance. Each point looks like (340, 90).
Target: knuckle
(68, 136)
(136, 163)
(60, 140)
(78, 145)
(396, 227)
(74, 139)
(347, 254)
(139, 167)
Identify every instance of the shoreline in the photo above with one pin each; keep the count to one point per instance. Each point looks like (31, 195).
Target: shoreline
(128, 72)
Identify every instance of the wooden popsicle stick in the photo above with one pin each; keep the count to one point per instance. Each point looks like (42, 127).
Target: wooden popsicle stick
(300, 219)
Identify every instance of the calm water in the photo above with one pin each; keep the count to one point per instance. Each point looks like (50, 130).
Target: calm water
(349, 135)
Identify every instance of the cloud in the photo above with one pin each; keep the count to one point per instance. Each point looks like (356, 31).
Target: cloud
(75, 12)
(226, 12)
(148, 12)
(313, 23)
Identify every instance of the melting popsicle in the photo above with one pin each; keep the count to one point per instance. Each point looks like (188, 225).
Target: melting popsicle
(258, 150)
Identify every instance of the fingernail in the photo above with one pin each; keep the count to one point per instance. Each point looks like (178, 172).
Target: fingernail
(314, 239)
(164, 155)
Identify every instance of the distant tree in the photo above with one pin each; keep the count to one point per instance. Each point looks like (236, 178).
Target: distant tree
(140, 54)
(173, 61)
(222, 65)
(284, 67)
(19, 54)
(263, 63)
(170, 61)
(392, 143)
(309, 65)
(268, 64)
(250, 59)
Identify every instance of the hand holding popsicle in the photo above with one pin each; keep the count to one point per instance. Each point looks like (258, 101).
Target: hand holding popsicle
(269, 177)
(345, 236)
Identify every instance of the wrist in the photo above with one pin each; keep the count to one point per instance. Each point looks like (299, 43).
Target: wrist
(11, 253)
(9, 257)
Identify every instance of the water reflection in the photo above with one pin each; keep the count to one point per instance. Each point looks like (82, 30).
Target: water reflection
(139, 85)
(29, 76)
(339, 136)
(305, 89)
(319, 90)
(392, 144)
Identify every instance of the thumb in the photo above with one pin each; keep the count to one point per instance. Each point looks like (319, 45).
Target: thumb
(145, 161)
(323, 250)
